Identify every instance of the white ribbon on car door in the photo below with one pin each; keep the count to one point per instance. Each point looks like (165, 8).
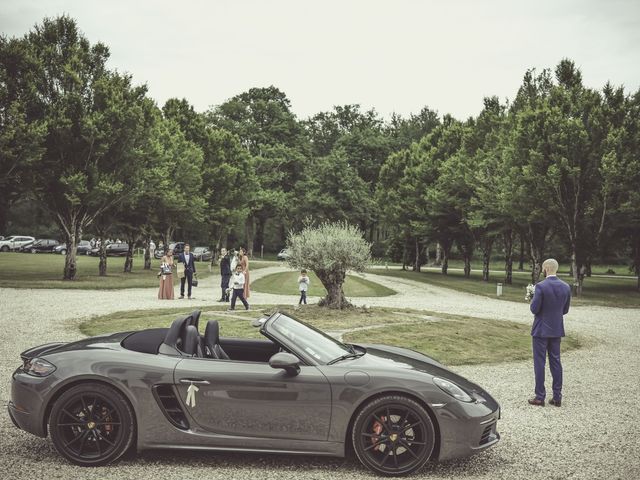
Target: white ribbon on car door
(191, 395)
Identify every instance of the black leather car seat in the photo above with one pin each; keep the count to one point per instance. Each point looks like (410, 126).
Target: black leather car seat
(212, 348)
(191, 345)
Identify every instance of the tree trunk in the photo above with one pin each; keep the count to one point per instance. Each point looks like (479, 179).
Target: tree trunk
(522, 255)
(102, 265)
(332, 282)
(147, 253)
(508, 256)
(446, 249)
(72, 235)
(4, 211)
(487, 245)
(405, 251)
(416, 262)
(537, 242)
(635, 240)
(438, 255)
(259, 236)
(249, 231)
(128, 261)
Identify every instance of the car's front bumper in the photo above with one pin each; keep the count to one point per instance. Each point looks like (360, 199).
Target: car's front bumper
(27, 402)
(462, 436)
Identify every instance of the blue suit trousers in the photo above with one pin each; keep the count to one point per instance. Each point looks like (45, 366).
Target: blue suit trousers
(541, 347)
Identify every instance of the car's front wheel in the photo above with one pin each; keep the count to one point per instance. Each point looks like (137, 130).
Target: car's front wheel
(92, 425)
(393, 435)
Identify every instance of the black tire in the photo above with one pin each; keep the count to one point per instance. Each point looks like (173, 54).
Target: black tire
(63, 252)
(4, 248)
(92, 425)
(393, 435)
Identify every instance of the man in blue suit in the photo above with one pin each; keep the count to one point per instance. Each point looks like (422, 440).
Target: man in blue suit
(550, 303)
(189, 262)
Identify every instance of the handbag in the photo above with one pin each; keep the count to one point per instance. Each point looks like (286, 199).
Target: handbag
(194, 282)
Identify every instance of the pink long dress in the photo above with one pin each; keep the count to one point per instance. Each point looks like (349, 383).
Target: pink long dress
(166, 285)
(245, 269)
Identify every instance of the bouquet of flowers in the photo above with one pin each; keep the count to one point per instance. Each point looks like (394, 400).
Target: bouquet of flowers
(531, 290)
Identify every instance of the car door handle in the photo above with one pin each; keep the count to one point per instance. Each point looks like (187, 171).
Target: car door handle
(195, 381)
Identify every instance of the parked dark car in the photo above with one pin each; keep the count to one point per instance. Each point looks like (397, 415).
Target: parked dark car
(298, 390)
(41, 245)
(112, 250)
(177, 247)
(202, 254)
(83, 248)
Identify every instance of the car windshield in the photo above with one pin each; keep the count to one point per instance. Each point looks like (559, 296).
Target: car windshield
(314, 343)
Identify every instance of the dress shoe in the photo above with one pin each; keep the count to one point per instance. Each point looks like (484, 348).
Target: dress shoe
(536, 402)
(555, 403)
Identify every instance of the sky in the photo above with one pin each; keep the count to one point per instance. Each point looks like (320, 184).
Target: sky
(394, 56)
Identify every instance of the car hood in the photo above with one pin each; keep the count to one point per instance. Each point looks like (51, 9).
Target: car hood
(101, 341)
(385, 357)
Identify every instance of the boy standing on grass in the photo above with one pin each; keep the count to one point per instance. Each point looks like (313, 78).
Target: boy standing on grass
(238, 288)
(303, 286)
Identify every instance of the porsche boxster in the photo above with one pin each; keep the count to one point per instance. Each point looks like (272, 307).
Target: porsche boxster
(296, 391)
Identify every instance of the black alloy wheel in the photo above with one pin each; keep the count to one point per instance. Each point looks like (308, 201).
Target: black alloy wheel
(92, 425)
(393, 435)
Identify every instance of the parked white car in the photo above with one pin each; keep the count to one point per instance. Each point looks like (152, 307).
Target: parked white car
(14, 242)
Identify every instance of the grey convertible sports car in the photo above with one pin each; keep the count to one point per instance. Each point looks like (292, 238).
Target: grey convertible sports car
(297, 391)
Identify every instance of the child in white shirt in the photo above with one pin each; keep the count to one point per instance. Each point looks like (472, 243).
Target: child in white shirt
(237, 281)
(303, 286)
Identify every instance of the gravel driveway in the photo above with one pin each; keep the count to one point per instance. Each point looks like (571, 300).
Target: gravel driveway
(593, 435)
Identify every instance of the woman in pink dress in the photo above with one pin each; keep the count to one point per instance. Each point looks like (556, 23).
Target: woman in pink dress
(244, 261)
(166, 277)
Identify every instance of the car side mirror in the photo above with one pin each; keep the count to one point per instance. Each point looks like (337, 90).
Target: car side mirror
(288, 362)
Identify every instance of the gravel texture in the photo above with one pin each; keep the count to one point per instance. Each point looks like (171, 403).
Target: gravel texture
(593, 435)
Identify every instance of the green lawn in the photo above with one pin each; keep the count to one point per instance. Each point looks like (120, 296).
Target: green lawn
(25, 270)
(286, 283)
(451, 339)
(605, 291)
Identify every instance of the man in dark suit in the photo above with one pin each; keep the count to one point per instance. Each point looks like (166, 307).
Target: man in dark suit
(225, 274)
(549, 304)
(188, 260)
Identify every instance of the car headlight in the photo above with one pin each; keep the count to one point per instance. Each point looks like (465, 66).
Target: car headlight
(452, 389)
(39, 367)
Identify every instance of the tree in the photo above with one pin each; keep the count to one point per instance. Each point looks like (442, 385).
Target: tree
(96, 123)
(330, 250)
(269, 131)
(20, 139)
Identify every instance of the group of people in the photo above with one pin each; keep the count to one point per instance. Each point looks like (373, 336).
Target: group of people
(234, 270)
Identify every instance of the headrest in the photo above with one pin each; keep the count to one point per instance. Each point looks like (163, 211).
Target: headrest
(176, 332)
(195, 318)
(212, 333)
(191, 340)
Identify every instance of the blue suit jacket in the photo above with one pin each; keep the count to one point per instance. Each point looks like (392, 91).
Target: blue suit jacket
(550, 302)
(191, 266)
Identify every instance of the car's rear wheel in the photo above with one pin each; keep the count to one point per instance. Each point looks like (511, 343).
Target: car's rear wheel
(63, 252)
(4, 248)
(393, 435)
(92, 425)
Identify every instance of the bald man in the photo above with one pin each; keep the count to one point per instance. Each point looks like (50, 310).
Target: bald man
(549, 305)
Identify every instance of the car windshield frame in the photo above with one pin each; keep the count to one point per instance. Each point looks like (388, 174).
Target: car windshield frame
(312, 345)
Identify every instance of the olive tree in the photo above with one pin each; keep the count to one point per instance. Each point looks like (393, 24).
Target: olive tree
(330, 250)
